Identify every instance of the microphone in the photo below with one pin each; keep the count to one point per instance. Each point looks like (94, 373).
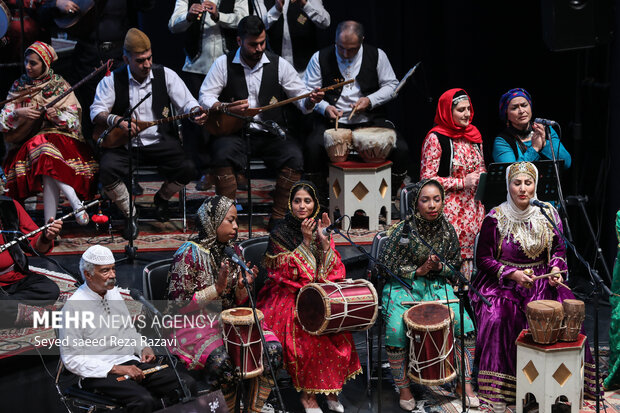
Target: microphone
(331, 226)
(236, 259)
(545, 122)
(404, 236)
(275, 129)
(536, 202)
(137, 295)
(576, 199)
(2, 176)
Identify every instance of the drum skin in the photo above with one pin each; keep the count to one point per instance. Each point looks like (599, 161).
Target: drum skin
(242, 340)
(431, 349)
(544, 318)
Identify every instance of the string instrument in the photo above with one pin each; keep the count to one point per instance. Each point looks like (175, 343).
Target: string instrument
(70, 19)
(30, 127)
(22, 95)
(119, 137)
(8, 245)
(147, 371)
(220, 123)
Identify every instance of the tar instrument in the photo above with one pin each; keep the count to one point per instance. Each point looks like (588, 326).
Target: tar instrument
(8, 245)
(544, 318)
(374, 144)
(23, 95)
(30, 127)
(348, 305)
(222, 124)
(119, 137)
(431, 343)
(5, 18)
(70, 19)
(574, 314)
(338, 143)
(242, 340)
(147, 371)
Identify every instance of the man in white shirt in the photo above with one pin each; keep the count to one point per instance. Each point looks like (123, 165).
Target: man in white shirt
(100, 355)
(374, 84)
(156, 145)
(251, 78)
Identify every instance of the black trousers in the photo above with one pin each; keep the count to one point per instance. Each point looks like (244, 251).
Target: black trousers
(195, 137)
(167, 155)
(141, 397)
(35, 289)
(315, 155)
(275, 152)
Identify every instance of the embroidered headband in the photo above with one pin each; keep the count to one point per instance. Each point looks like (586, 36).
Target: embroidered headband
(44, 51)
(519, 168)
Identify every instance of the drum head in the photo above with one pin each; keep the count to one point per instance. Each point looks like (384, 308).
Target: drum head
(430, 316)
(5, 18)
(545, 306)
(311, 309)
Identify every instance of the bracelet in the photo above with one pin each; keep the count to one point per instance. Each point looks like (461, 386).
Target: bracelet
(111, 119)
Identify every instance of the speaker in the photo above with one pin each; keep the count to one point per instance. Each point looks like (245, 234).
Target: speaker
(575, 24)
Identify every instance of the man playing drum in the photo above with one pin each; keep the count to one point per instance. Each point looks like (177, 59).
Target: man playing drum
(356, 105)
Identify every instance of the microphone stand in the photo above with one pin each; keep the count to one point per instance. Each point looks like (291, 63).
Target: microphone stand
(598, 286)
(380, 317)
(130, 250)
(263, 341)
(462, 282)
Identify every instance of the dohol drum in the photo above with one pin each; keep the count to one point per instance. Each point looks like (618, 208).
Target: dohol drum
(242, 340)
(574, 314)
(431, 349)
(337, 143)
(374, 144)
(349, 305)
(544, 318)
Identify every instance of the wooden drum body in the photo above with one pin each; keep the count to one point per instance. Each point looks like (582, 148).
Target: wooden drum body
(349, 305)
(544, 318)
(431, 349)
(374, 144)
(337, 143)
(242, 340)
(574, 314)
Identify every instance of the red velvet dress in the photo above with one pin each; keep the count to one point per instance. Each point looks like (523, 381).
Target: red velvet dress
(317, 364)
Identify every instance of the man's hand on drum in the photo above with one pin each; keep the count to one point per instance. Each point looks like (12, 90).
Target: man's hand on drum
(324, 222)
(432, 263)
(307, 226)
(67, 6)
(222, 277)
(555, 280)
(521, 278)
(332, 113)
(361, 105)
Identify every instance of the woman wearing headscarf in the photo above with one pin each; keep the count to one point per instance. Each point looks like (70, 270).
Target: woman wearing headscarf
(418, 266)
(56, 159)
(452, 154)
(515, 236)
(299, 254)
(202, 274)
(524, 140)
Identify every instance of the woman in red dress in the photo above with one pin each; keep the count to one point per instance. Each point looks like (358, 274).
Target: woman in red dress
(299, 254)
(56, 158)
(452, 154)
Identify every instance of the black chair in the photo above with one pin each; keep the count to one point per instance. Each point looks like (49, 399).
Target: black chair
(405, 200)
(155, 279)
(253, 250)
(378, 243)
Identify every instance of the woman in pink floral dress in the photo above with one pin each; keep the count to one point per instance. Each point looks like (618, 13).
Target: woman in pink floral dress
(452, 154)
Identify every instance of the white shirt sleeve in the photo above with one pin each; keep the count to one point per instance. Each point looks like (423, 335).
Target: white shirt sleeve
(104, 97)
(178, 21)
(313, 79)
(387, 81)
(178, 92)
(268, 17)
(292, 84)
(214, 83)
(317, 13)
(231, 20)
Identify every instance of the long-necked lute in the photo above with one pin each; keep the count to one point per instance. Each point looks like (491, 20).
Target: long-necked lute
(118, 137)
(30, 127)
(24, 94)
(219, 123)
(9, 244)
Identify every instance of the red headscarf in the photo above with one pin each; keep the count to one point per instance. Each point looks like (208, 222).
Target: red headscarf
(444, 124)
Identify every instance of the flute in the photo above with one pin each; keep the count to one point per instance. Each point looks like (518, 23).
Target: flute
(46, 226)
(147, 371)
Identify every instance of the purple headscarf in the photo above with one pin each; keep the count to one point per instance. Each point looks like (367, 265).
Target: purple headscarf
(504, 101)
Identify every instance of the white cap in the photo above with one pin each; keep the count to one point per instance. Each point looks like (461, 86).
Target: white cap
(98, 255)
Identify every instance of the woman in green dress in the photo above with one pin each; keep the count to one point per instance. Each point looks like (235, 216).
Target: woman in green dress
(430, 279)
(613, 380)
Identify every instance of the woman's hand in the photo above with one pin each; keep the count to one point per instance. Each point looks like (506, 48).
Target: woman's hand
(222, 277)
(555, 280)
(307, 226)
(521, 278)
(27, 112)
(538, 139)
(471, 180)
(432, 263)
(324, 222)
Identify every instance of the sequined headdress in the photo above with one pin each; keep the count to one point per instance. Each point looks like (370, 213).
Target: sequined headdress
(519, 168)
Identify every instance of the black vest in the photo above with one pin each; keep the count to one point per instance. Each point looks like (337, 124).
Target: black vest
(9, 221)
(160, 99)
(302, 31)
(194, 33)
(270, 90)
(447, 149)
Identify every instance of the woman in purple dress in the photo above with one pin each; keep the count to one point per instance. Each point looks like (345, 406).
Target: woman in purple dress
(515, 236)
